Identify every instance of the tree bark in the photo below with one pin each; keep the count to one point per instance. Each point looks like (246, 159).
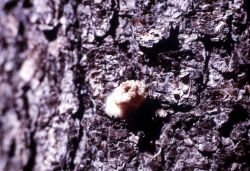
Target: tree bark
(60, 59)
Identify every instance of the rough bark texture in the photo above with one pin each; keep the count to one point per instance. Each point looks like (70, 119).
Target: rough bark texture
(59, 59)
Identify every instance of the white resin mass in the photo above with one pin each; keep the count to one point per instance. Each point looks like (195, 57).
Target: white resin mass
(125, 99)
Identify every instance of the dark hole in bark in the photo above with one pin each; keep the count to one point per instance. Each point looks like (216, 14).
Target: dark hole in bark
(27, 4)
(164, 45)
(21, 28)
(247, 7)
(177, 96)
(238, 114)
(51, 34)
(124, 46)
(185, 79)
(12, 150)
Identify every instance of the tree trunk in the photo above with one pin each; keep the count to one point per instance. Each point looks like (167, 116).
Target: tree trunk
(60, 59)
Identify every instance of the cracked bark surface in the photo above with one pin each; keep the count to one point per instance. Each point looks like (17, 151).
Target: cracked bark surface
(60, 59)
